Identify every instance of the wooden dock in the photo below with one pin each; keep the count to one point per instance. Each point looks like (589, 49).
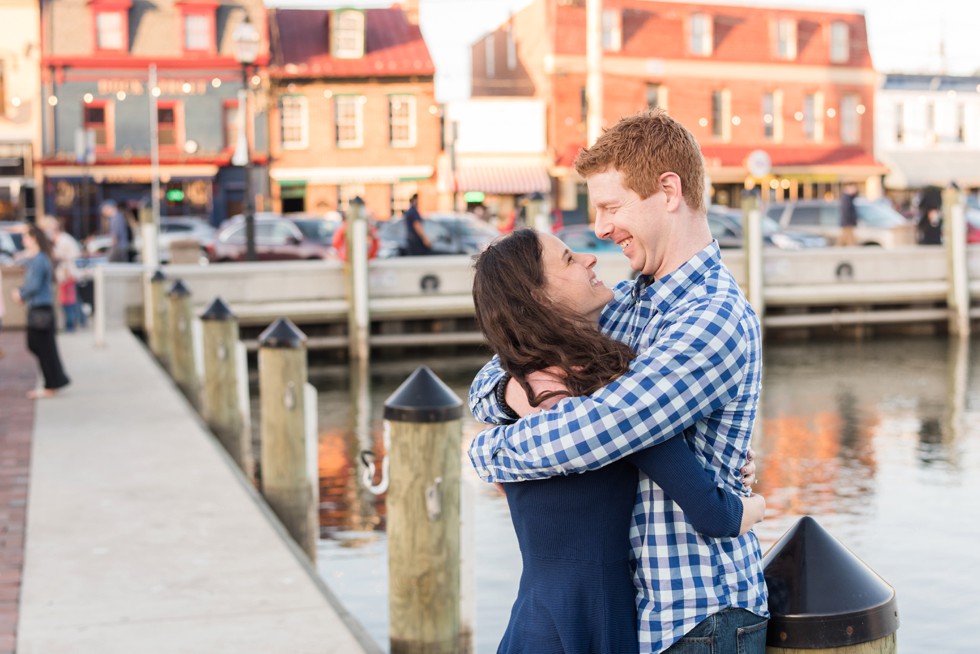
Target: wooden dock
(419, 302)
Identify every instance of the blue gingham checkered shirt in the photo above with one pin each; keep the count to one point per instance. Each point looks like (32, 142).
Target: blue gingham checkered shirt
(697, 375)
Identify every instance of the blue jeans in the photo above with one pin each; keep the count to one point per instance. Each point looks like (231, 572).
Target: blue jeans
(732, 631)
(74, 316)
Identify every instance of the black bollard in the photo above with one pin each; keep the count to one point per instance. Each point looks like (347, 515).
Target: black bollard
(424, 421)
(823, 597)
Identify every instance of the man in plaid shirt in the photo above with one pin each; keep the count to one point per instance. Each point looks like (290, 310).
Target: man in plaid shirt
(697, 377)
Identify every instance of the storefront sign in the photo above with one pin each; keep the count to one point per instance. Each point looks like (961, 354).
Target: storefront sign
(166, 86)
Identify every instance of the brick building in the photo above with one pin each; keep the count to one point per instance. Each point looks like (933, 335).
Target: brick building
(798, 84)
(97, 122)
(352, 110)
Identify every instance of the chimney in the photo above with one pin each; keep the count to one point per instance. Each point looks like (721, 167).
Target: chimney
(411, 10)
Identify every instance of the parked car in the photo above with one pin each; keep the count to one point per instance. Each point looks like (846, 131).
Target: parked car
(726, 227)
(183, 228)
(315, 228)
(172, 228)
(878, 224)
(450, 233)
(582, 238)
(275, 239)
(972, 225)
(15, 231)
(7, 249)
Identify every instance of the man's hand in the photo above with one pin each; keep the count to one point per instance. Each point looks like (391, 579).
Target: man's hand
(549, 379)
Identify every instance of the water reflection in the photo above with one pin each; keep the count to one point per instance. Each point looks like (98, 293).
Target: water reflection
(877, 440)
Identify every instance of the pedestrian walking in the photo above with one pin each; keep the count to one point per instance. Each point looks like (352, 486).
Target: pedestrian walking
(37, 295)
(66, 252)
(416, 241)
(120, 232)
(848, 215)
(929, 227)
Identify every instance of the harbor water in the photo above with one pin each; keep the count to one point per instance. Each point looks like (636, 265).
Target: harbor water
(879, 441)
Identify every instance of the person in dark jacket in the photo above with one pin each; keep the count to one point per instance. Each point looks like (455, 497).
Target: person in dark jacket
(36, 293)
(416, 242)
(848, 215)
(929, 227)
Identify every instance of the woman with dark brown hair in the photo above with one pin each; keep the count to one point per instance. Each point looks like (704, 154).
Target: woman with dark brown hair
(37, 295)
(538, 304)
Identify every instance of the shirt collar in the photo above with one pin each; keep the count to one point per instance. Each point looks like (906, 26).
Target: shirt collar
(668, 289)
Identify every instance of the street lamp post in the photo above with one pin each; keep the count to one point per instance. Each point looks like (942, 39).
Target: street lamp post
(246, 39)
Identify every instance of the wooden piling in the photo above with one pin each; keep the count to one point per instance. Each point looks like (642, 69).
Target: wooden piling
(423, 505)
(182, 366)
(825, 600)
(282, 404)
(356, 270)
(159, 323)
(221, 406)
(954, 238)
(753, 245)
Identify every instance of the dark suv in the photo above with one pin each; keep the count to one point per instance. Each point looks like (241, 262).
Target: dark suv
(878, 224)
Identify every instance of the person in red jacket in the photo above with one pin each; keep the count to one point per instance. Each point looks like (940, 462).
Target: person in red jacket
(339, 241)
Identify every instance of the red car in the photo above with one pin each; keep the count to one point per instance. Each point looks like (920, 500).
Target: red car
(276, 239)
(972, 225)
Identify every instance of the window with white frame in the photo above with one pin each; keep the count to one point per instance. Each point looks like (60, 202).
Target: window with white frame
(401, 120)
(612, 30)
(197, 33)
(110, 30)
(721, 114)
(294, 122)
(348, 34)
(840, 42)
(813, 117)
(511, 49)
(656, 96)
(786, 38)
(349, 112)
(899, 123)
(702, 35)
(850, 119)
(769, 115)
(489, 53)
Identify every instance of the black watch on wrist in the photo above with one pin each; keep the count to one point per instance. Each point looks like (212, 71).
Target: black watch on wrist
(500, 392)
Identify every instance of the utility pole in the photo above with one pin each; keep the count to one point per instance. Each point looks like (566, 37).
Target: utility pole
(593, 66)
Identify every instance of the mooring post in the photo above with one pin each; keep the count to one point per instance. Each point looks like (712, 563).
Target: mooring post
(423, 503)
(954, 239)
(284, 457)
(221, 405)
(183, 367)
(822, 598)
(753, 247)
(159, 323)
(356, 269)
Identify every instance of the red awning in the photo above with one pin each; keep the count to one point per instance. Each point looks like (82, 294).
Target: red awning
(503, 180)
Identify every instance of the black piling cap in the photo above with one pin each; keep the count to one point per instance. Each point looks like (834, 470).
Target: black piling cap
(179, 289)
(423, 397)
(282, 334)
(217, 310)
(821, 595)
(158, 276)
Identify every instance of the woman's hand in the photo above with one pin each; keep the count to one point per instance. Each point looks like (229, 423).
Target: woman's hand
(549, 379)
(748, 470)
(753, 511)
(15, 295)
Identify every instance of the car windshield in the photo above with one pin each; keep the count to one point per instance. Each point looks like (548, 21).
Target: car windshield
(316, 230)
(879, 215)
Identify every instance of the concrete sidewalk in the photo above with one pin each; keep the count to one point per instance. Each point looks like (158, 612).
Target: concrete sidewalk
(143, 537)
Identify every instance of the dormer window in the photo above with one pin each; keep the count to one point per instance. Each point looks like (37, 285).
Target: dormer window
(612, 30)
(840, 42)
(348, 34)
(702, 35)
(786, 38)
(111, 22)
(197, 26)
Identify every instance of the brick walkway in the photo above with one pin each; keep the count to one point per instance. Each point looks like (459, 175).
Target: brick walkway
(17, 376)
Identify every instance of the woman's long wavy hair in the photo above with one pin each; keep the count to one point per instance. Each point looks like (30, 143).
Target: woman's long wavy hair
(529, 332)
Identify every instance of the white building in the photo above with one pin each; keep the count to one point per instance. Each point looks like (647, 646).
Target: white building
(927, 130)
(20, 106)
